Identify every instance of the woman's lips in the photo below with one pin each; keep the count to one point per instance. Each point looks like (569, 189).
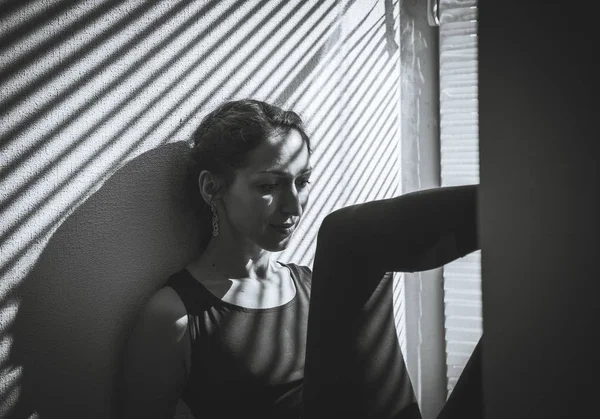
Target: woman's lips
(284, 229)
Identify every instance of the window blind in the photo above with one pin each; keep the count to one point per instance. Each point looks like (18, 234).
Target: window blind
(459, 141)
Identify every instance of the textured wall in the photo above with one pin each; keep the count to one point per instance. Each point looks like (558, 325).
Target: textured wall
(98, 100)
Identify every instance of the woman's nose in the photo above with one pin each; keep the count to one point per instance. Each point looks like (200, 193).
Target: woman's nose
(291, 202)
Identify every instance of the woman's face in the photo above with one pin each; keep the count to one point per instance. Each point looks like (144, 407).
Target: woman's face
(264, 203)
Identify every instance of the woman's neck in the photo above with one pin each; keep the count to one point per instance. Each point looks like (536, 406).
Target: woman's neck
(236, 261)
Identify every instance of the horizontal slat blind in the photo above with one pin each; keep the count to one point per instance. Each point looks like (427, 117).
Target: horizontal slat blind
(459, 125)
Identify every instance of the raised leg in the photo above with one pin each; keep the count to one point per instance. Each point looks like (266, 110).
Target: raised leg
(354, 366)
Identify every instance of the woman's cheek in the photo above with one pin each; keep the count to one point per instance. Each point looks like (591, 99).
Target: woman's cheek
(267, 200)
(304, 198)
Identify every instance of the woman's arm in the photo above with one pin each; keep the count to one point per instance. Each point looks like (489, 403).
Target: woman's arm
(157, 358)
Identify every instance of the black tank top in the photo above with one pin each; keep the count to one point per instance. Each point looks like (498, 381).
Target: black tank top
(245, 362)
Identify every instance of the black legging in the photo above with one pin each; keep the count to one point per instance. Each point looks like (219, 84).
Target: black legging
(354, 366)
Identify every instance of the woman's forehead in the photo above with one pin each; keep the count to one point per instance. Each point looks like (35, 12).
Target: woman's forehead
(286, 152)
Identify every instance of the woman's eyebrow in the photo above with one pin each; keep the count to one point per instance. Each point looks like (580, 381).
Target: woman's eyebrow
(285, 174)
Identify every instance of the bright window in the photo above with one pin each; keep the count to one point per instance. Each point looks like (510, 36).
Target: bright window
(459, 140)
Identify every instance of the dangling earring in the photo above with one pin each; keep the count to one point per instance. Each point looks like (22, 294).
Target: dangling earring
(215, 219)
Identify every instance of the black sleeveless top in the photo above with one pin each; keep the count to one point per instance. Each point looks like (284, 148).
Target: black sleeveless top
(245, 362)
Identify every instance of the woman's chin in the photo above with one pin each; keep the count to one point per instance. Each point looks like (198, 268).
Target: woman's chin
(277, 246)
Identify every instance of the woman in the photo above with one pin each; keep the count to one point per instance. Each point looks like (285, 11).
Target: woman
(228, 333)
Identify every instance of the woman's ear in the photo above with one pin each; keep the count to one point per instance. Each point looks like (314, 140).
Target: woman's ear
(209, 186)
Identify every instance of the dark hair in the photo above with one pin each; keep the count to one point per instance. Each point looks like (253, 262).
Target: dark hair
(226, 135)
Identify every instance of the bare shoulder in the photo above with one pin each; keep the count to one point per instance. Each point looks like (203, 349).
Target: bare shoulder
(161, 324)
(165, 307)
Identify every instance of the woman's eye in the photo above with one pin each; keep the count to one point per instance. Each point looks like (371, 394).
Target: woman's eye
(303, 183)
(268, 187)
